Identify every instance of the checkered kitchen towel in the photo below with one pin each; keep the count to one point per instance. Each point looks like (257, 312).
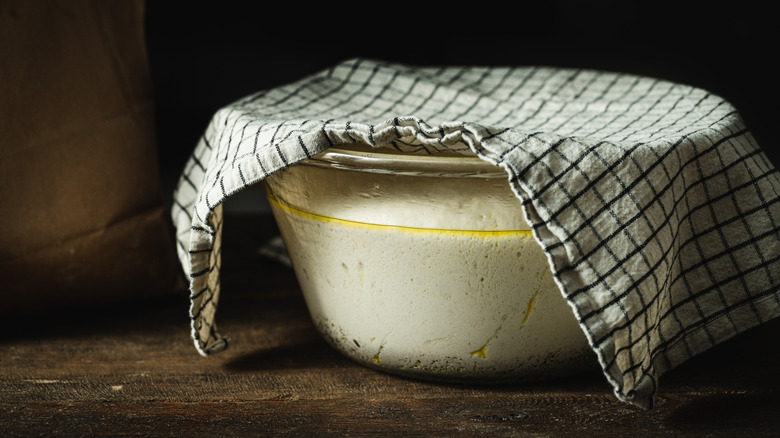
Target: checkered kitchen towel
(657, 209)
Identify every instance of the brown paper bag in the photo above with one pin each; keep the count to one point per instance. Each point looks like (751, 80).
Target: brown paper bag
(82, 211)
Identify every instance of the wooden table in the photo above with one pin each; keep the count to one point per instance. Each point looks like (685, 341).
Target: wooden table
(132, 370)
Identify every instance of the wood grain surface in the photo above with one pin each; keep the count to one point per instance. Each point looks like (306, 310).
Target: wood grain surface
(132, 370)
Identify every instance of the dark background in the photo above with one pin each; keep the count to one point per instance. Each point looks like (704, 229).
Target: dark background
(206, 55)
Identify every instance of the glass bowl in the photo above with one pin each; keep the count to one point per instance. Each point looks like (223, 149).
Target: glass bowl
(422, 265)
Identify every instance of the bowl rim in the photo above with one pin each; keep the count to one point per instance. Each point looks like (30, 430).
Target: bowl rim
(364, 158)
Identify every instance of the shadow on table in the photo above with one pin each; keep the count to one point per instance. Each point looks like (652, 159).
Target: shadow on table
(723, 412)
(312, 353)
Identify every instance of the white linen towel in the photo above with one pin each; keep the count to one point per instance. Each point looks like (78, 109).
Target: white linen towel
(658, 211)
